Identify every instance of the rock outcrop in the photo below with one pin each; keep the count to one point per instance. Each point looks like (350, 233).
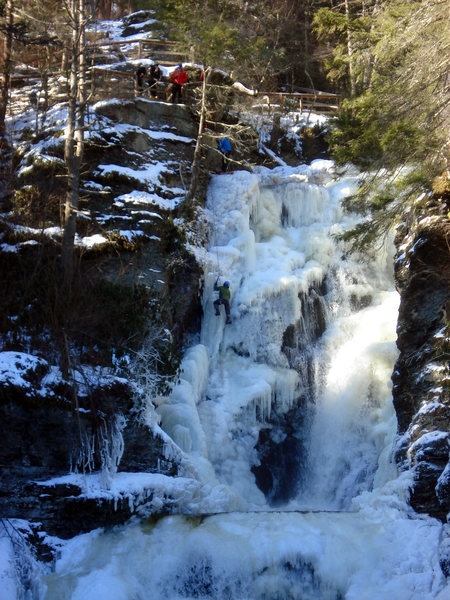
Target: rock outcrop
(421, 375)
(50, 433)
(133, 193)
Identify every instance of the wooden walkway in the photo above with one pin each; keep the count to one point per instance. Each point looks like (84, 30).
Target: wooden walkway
(320, 102)
(108, 82)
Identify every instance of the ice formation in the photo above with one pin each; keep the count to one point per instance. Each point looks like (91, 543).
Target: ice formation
(349, 532)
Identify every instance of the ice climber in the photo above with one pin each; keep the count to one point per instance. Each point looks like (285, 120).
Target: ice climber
(224, 298)
(224, 147)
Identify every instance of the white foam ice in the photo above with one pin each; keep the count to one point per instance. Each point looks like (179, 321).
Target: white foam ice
(373, 554)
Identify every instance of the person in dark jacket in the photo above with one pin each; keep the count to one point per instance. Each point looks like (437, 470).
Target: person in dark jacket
(33, 97)
(178, 78)
(141, 72)
(224, 147)
(154, 76)
(224, 298)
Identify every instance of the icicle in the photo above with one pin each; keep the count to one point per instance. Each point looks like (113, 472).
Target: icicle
(195, 370)
(111, 449)
(305, 204)
(285, 389)
(178, 413)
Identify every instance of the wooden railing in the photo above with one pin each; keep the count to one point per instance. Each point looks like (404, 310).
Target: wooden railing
(168, 52)
(112, 83)
(108, 83)
(321, 102)
(142, 41)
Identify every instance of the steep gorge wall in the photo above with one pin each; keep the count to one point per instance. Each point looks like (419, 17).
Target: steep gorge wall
(49, 428)
(421, 375)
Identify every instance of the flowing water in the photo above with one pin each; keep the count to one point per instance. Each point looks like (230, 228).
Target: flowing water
(285, 418)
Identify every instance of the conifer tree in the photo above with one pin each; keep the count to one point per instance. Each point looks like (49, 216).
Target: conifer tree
(397, 127)
(347, 28)
(266, 43)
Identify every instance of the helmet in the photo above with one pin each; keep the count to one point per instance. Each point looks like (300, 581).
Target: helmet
(227, 284)
(179, 66)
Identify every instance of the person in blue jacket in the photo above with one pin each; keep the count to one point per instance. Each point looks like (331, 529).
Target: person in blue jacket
(224, 298)
(224, 147)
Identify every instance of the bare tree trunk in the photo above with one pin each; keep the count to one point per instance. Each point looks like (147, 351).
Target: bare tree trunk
(6, 64)
(5, 146)
(313, 87)
(198, 147)
(91, 5)
(65, 58)
(74, 144)
(104, 9)
(44, 82)
(82, 91)
(350, 51)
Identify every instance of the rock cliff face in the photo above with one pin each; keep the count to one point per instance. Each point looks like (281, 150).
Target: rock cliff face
(132, 191)
(47, 435)
(421, 375)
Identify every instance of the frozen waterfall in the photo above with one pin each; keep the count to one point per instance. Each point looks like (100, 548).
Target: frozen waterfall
(286, 421)
(312, 341)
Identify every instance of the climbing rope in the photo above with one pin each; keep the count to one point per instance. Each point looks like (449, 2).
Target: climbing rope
(214, 232)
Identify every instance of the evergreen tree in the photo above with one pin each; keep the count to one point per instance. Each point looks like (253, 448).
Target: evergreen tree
(264, 43)
(347, 29)
(397, 127)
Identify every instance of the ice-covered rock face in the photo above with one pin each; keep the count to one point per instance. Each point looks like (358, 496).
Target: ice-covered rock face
(270, 239)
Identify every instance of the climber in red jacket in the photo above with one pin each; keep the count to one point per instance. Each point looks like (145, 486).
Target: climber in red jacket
(178, 78)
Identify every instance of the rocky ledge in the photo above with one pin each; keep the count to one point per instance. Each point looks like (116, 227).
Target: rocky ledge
(50, 436)
(421, 376)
